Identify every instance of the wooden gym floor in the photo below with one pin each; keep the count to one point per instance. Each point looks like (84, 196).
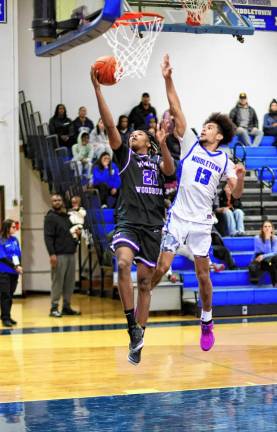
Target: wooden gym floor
(66, 364)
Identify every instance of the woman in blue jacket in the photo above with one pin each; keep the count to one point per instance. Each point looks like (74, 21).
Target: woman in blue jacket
(265, 254)
(10, 268)
(105, 178)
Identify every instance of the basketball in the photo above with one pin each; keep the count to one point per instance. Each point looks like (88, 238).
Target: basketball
(105, 68)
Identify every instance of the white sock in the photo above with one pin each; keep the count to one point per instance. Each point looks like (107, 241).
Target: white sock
(206, 316)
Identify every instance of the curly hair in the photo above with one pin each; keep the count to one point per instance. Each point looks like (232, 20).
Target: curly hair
(225, 125)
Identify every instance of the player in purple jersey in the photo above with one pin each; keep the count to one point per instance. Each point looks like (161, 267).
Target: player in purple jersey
(140, 216)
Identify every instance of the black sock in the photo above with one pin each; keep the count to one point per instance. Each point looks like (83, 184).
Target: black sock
(130, 316)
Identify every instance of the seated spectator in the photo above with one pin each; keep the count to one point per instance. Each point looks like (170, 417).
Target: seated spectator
(83, 154)
(231, 208)
(246, 120)
(220, 251)
(82, 123)
(124, 128)
(265, 254)
(139, 113)
(77, 216)
(61, 125)
(105, 178)
(270, 121)
(99, 140)
(151, 124)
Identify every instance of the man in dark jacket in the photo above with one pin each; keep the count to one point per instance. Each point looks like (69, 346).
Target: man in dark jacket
(61, 248)
(246, 120)
(82, 123)
(139, 113)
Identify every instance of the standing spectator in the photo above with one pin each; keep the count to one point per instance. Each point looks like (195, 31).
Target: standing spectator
(10, 268)
(231, 208)
(139, 113)
(106, 179)
(270, 120)
(82, 123)
(124, 129)
(265, 254)
(61, 125)
(61, 248)
(246, 120)
(100, 140)
(83, 154)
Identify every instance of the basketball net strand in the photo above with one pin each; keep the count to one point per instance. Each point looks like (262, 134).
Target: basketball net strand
(196, 10)
(132, 46)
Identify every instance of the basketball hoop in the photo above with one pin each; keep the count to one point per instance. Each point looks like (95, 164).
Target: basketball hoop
(132, 38)
(196, 10)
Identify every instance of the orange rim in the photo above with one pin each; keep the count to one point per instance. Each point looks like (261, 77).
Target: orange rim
(131, 19)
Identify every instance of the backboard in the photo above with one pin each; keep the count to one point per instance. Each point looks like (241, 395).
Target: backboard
(98, 16)
(221, 18)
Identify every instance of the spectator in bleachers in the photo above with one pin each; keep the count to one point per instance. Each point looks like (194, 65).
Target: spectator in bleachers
(270, 121)
(124, 128)
(151, 123)
(82, 123)
(99, 140)
(265, 254)
(231, 208)
(139, 113)
(62, 126)
(246, 120)
(105, 178)
(83, 154)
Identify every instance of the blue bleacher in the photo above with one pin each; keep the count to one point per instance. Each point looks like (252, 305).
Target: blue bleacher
(266, 141)
(231, 288)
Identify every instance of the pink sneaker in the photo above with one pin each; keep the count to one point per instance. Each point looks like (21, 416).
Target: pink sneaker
(207, 337)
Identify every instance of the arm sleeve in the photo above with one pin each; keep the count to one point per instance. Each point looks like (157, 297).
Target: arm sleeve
(274, 250)
(49, 236)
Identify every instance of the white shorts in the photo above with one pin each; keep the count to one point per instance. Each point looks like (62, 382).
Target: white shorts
(178, 232)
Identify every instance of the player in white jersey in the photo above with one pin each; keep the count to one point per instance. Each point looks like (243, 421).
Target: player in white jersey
(190, 218)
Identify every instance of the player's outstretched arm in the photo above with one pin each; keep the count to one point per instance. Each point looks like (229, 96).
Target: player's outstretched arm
(167, 165)
(237, 185)
(173, 99)
(105, 113)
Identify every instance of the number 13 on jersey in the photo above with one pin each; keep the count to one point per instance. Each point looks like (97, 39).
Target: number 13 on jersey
(203, 176)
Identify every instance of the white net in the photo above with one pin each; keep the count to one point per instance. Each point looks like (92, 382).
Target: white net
(196, 10)
(132, 41)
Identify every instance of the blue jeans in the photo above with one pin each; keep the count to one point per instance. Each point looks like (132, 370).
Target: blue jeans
(244, 134)
(234, 221)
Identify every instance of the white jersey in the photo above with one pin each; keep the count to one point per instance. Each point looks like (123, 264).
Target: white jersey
(199, 174)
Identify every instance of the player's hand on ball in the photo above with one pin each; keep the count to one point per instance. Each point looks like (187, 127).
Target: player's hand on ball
(94, 79)
(240, 170)
(166, 67)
